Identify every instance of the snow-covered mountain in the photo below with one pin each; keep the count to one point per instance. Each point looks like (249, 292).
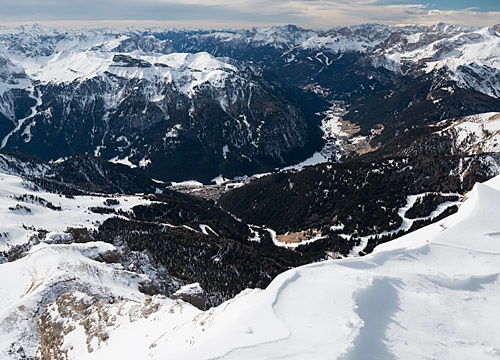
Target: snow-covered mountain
(475, 134)
(233, 102)
(129, 97)
(468, 56)
(396, 124)
(361, 39)
(333, 309)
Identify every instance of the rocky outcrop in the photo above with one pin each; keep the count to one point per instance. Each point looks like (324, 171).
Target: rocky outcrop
(88, 319)
(193, 294)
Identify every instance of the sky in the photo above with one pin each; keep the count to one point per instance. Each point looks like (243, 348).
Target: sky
(315, 14)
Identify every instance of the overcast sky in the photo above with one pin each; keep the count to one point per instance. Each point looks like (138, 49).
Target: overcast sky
(246, 13)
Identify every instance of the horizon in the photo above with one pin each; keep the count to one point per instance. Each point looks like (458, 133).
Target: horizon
(149, 25)
(218, 14)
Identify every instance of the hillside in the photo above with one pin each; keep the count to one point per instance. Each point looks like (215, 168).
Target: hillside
(339, 309)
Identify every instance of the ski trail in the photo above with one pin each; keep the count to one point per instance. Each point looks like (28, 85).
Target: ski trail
(38, 99)
(407, 223)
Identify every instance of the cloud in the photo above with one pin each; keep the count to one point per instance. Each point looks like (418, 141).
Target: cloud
(245, 13)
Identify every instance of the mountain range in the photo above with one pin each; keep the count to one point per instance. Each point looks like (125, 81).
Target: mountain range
(153, 180)
(235, 103)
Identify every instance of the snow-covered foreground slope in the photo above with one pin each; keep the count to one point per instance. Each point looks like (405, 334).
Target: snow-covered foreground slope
(44, 263)
(44, 274)
(431, 294)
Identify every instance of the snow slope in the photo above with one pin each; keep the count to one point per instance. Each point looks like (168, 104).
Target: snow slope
(476, 134)
(431, 294)
(47, 265)
(24, 211)
(186, 71)
(47, 272)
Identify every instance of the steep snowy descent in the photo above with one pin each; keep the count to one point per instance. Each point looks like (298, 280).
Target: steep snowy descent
(47, 272)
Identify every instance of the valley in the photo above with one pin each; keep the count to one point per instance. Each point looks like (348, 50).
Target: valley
(189, 186)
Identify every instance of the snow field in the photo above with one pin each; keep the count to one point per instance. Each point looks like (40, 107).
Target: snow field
(18, 225)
